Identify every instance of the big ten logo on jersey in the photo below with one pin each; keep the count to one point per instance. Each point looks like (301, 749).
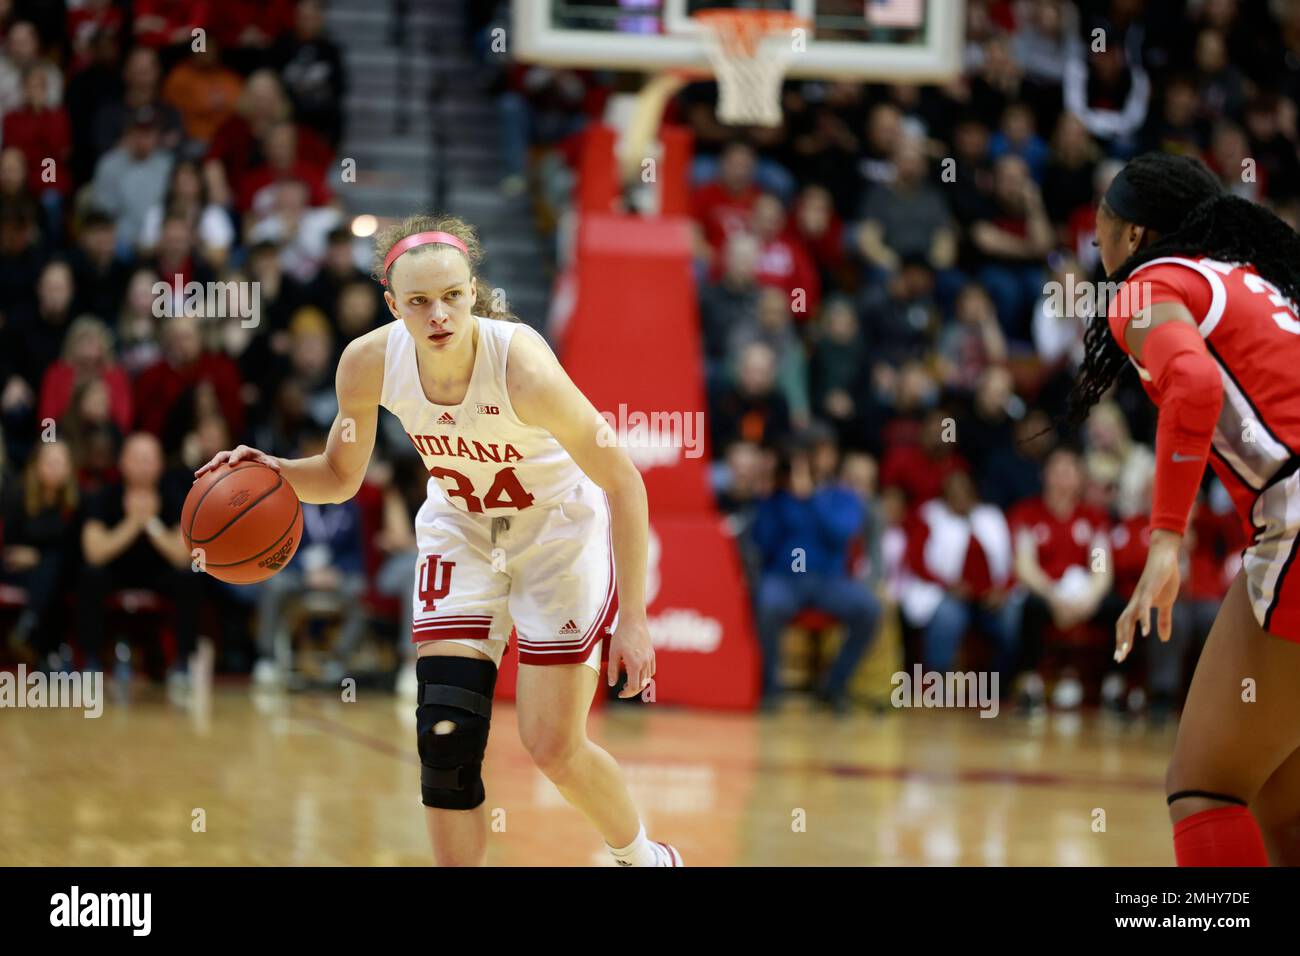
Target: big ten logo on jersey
(435, 581)
(487, 409)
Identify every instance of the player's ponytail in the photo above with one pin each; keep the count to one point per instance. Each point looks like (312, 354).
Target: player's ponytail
(491, 302)
(1209, 222)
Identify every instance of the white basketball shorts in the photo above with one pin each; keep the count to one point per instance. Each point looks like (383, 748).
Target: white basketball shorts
(549, 574)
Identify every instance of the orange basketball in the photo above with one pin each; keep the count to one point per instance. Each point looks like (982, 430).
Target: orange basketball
(245, 521)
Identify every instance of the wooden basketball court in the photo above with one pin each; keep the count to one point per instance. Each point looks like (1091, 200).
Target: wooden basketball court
(311, 780)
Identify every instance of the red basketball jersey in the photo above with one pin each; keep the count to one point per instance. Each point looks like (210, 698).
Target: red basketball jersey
(1253, 334)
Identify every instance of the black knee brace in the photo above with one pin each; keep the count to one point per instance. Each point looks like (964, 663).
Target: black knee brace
(458, 689)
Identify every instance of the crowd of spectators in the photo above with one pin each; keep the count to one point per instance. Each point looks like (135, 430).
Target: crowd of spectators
(146, 146)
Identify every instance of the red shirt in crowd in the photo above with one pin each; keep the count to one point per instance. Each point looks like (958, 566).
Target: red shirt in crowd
(721, 212)
(160, 23)
(1129, 541)
(1062, 542)
(313, 177)
(235, 146)
(919, 476)
(61, 378)
(784, 263)
(270, 18)
(40, 135)
(160, 386)
(975, 572)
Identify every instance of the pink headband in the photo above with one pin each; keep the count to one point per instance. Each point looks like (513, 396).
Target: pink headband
(419, 239)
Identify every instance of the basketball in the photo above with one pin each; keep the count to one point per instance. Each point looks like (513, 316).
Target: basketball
(246, 521)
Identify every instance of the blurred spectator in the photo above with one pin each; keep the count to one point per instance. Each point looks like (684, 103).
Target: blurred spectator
(839, 374)
(783, 261)
(725, 205)
(92, 90)
(1272, 148)
(329, 564)
(821, 230)
(1178, 127)
(311, 352)
(1108, 88)
(138, 89)
(1067, 178)
(920, 470)
(1013, 235)
(959, 570)
(337, 270)
(773, 326)
(1107, 432)
(87, 21)
(1064, 565)
(87, 355)
(1013, 471)
(300, 231)
(803, 533)
(187, 199)
(906, 218)
(92, 435)
(137, 327)
(312, 68)
(100, 278)
(284, 163)
(753, 409)
(132, 540)
(731, 301)
(33, 337)
(973, 343)
(203, 91)
(1017, 136)
(900, 315)
(40, 131)
(167, 23)
(132, 178)
(358, 310)
(164, 396)
(1222, 89)
(22, 52)
(242, 142)
(40, 518)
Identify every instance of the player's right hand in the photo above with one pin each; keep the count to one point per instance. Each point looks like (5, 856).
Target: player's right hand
(242, 453)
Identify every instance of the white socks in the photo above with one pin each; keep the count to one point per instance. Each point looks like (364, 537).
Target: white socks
(641, 852)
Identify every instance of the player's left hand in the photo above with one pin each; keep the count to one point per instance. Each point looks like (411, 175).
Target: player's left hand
(631, 647)
(1158, 588)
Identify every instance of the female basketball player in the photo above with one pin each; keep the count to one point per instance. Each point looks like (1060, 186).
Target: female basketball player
(533, 516)
(1207, 315)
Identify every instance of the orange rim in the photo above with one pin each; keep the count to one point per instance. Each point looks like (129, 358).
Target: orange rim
(740, 30)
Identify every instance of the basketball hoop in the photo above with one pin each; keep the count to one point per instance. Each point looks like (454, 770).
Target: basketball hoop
(749, 50)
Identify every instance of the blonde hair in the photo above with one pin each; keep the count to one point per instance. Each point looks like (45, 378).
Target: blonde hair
(33, 494)
(489, 304)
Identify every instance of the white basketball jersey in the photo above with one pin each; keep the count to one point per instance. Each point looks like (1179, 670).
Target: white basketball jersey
(482, 458)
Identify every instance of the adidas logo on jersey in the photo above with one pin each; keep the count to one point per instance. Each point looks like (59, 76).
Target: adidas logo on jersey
(446, 419)
(569, 628)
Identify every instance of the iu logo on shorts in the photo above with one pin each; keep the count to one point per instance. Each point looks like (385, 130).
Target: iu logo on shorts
(435, 581)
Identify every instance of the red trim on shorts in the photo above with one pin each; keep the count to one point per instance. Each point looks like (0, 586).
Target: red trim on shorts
(475, 627)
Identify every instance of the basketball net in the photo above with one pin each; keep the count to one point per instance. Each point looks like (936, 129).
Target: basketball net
(749, 50)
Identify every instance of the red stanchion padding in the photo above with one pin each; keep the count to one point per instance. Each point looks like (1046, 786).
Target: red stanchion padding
(632, 344)
(674, 171)
(598, 176)
(699, 616)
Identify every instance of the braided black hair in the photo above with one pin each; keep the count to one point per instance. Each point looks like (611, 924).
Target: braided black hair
(1216, 224)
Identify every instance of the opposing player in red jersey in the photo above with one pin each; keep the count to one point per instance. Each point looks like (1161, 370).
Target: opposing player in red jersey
(1207, 315)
